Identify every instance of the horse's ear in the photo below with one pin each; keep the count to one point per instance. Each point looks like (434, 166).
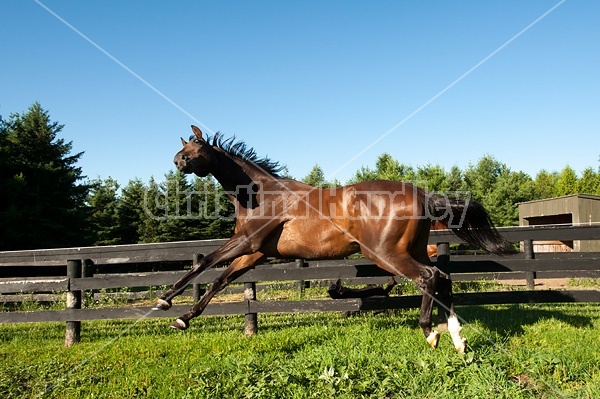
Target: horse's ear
(183, 141)
(197, 132)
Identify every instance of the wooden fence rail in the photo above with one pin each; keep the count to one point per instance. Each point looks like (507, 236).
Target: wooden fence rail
(526, 265)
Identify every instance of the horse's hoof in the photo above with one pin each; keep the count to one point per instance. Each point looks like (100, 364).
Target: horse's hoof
(180, 325)
(433, 339)
(462, 347)
(161, 304)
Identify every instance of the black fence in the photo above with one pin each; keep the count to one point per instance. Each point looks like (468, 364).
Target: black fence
(85, 269)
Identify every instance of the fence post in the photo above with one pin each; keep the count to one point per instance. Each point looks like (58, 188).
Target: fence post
(73, 328)
(250, 319)
(300, 263)
(197, 289)
(443, 258)
(529, 254)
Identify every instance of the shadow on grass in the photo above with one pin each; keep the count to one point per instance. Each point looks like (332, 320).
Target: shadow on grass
(511, 319)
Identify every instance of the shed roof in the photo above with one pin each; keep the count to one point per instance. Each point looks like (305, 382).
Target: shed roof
(563, 197)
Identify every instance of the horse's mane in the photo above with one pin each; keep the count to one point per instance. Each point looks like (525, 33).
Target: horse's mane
(239, 149)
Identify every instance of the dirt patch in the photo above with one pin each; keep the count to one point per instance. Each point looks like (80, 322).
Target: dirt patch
(548, 283)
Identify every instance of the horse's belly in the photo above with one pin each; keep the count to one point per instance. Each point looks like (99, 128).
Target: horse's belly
(309, 242)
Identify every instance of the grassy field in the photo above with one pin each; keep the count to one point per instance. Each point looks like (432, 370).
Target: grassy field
(524, 351)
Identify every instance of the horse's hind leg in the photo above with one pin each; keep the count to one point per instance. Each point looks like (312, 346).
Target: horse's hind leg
(447, 303)
(428, 283)
(425, 276)
(441, 283)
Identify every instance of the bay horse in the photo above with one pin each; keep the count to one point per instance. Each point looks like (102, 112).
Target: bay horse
(387, 221)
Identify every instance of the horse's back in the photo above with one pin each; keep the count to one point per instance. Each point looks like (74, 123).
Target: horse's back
(335, 222)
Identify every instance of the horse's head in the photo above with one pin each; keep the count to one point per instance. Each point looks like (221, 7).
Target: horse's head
(196, 155)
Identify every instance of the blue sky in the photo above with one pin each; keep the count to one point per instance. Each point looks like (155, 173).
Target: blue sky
(306, 82)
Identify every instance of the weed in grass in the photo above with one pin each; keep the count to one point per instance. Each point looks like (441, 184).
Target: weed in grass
(30, 303)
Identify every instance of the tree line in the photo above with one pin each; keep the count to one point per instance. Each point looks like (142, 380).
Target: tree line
(46, 201)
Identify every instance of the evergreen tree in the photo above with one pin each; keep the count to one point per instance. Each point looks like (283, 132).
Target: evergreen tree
(388, 168)
(509, 189)
(103, 220)
(544, 184)
(43, 200)
(179, 226)
(363, 174)
(589, 183)
(154, 206)
(130, 212)
(216, 213)
(481, 178)
(455, 179)
(432, 178)
(498, 189)
(180, 218)
(566, 184)
(316, 178)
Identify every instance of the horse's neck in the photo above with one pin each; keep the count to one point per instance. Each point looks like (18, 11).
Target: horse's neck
(235, 174)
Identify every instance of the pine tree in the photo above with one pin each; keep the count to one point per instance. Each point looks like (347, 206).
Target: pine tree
(589, 183)
(509, 189)
(103, 220)
(544, 184)
(481, 178)
(130, 212)
(154, 206)
(363, 174)
(455, 179)
(176, 227)
(566, 184)
(388, 168)
(216, 213)
(432, 178)
(43, 201)
(316, 178)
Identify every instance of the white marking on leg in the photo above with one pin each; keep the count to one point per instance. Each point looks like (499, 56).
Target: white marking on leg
(161, 304)
(179, 325)
(455, 328)
(433, 339)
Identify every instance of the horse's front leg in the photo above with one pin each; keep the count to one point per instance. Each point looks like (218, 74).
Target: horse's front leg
(236, 269)
(236, 246)
(164, 302)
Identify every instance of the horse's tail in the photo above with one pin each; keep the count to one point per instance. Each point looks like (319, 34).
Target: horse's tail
(469, 220)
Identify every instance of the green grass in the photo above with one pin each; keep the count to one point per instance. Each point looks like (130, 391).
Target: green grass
(523, 351)
(584, 282)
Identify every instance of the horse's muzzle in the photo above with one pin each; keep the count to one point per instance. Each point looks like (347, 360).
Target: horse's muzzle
(181, 163)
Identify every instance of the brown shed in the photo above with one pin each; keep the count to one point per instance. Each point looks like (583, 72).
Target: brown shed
(576, 209)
